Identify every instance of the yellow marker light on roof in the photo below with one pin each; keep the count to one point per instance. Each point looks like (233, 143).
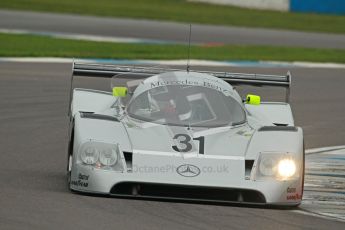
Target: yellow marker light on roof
(120, 91)
(253, 99)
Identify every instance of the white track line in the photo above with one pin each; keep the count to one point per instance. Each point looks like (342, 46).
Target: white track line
(86, 37)
(324, 149)
(322, 208)
(309, 213)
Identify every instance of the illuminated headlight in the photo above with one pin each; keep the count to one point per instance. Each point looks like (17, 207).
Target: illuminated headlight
(280, 166)
(99, 154)
(286, 168)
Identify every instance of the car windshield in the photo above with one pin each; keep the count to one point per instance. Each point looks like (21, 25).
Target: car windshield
(186, 105)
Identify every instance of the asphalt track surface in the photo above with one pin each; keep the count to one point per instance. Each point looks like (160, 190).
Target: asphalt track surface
(164, 31)
(33, 131)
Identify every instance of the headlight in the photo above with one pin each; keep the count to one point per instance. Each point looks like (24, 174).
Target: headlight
(279, 166)
(267, 166)
(108, 157)
(100, 155)
(286, 168)
(89, 155)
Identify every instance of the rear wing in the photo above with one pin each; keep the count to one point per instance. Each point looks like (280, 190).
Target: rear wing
(109, 71)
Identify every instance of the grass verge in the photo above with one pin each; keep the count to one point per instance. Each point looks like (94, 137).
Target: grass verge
(12, 45)
(183, 11)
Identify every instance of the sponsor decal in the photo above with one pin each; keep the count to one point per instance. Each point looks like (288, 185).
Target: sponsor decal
(83, 177)
(294, 197)
(188, 170)
(216, 87)
(181, 82)
(292, 194)
(291, 190)
(190, 83)
(83, 181)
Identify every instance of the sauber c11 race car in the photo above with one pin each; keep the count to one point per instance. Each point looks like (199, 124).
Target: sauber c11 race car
(186, 135)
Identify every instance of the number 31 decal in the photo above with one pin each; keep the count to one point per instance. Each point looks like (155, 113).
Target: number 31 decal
(185, 139)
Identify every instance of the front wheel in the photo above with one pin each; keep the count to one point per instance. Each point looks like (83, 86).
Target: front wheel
(69, 170)
(303, 170)
(70, 154)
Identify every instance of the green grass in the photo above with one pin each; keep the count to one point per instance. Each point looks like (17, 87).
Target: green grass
(12, 45)
(183, 11)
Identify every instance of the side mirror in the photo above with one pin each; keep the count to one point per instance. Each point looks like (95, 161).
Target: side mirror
(253, 99)
(120, 91)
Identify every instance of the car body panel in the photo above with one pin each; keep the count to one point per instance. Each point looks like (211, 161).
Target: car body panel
(272, 113)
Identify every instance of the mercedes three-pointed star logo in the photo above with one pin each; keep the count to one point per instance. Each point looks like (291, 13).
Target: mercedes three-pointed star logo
(188, 170)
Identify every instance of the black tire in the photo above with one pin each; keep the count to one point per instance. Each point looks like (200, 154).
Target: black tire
(69, 154)
(68, 176)
(303, 171)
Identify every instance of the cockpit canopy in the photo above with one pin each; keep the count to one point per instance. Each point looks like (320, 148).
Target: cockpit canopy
(186, 99)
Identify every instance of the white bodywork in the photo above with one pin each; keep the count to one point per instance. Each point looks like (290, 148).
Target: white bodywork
(229, 161)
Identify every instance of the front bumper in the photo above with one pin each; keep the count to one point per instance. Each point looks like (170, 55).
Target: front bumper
(225, 177)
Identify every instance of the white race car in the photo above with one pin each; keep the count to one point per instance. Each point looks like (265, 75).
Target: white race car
(180, 134)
